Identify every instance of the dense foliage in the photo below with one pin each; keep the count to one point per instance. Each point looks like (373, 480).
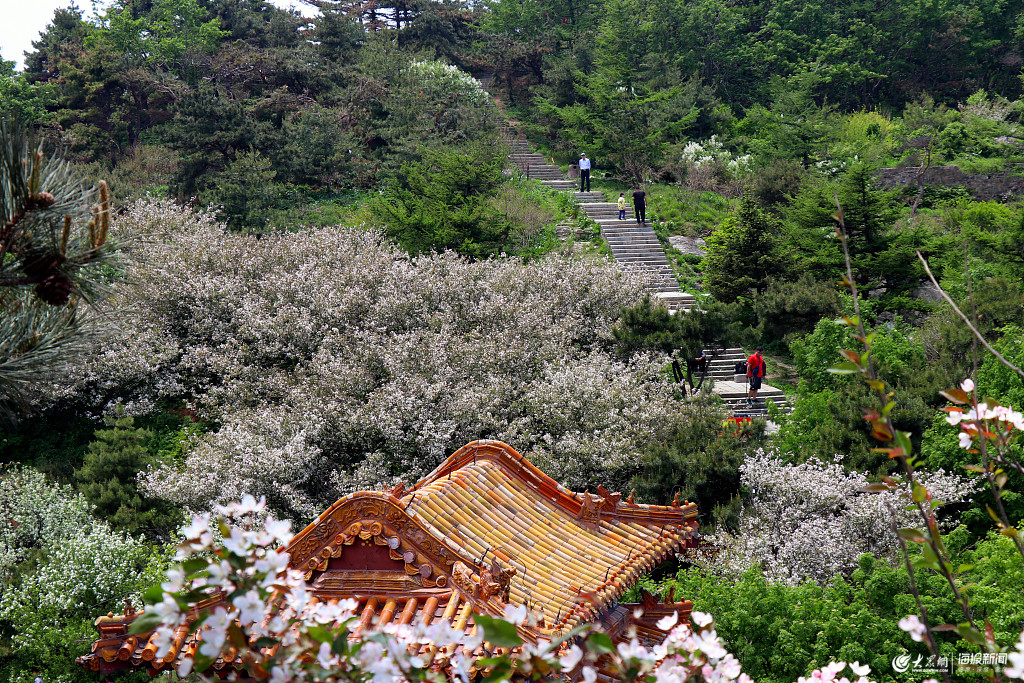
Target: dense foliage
(330, 361)
(60, 568)
(431, 302)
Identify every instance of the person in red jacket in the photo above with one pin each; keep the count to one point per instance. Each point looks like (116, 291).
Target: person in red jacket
(755, 373)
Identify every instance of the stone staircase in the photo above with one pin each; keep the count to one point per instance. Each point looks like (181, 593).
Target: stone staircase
(721, 366)
(634, 247)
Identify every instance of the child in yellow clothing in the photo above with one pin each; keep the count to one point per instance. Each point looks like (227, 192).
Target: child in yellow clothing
(622, 206)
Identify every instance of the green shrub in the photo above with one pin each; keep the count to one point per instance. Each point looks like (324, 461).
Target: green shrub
(781, 632)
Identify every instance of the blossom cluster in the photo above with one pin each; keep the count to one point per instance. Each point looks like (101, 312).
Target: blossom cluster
(981, 423)
(999, 424)
(829, 518)
(446, 80)
(79, 566)
(712, 151)
(250, 596)
(331, 361)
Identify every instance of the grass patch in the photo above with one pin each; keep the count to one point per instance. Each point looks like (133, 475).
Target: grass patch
(688, 212)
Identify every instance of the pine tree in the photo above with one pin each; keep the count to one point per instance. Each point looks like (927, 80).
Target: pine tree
(107, 479)
(743, 254)
(55, 262)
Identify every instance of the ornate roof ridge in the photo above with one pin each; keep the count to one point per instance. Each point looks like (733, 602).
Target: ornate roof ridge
(584, 506)
(381, 516)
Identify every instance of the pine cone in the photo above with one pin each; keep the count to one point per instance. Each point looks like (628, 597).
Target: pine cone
(41, 261)
(55, 289)
(41, 200)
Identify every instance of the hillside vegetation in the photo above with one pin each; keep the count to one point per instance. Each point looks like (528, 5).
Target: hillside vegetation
(319, 274)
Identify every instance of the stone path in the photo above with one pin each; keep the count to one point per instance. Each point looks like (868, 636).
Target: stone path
(733, 388)
(636, 247)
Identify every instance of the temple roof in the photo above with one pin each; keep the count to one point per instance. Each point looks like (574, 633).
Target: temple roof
(484, 530)
(491, 502)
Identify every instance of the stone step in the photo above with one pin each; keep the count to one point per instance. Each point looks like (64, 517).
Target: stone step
(651, 268)
(630, 250)
(541, 168)
(771, 393)
(727, 362)
(535, 171)
(646, 257)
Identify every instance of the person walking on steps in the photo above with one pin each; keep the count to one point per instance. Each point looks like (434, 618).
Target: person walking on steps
(622, 206)
(640, 205)
(584, 173)
(755, 373)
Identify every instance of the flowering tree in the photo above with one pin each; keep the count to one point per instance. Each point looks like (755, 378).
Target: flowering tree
(59, 566)
(239, 594)
(333, 362)
(828, 518)
(712, 152)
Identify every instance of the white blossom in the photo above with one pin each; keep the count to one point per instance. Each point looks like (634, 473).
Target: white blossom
(829, 519)
(330, 359)
(1016, 660)
(912, 625)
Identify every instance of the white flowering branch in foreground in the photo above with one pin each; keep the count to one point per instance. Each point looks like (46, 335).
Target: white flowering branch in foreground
(239, 593)
(989, 430)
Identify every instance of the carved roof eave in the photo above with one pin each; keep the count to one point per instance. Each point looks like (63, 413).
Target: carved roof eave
(380, 516)
(580, 505)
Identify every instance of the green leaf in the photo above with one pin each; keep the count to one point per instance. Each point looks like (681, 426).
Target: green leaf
(194, 565)
(903, 441)
(600, 643)
(153, 595)
(911, 534)
(498, 632)
(320, 634)
(970, 634)
(578, 629)
(955, 396)
(340, 644)
(502, 671)
(844, 369)
(930, 558)
(876, 488)
(919, 494)
(202, 662)
(236, 636)
(144, 623)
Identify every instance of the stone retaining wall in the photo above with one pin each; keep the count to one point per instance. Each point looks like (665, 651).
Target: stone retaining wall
(984, 186)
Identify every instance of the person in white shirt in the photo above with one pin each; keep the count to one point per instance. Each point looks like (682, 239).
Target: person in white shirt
(584, 173)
